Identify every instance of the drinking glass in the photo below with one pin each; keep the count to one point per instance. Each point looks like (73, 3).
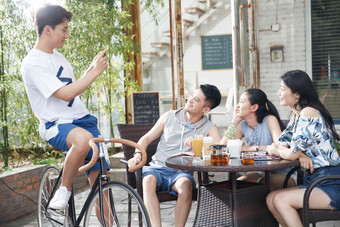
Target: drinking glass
(248, 158)
(197, 144)
(235, 148)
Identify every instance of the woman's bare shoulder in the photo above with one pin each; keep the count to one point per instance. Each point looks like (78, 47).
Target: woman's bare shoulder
(271, 119)
(309, 112)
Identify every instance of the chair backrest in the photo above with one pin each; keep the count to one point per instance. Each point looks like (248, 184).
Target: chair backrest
(285, 122)
(134, 132)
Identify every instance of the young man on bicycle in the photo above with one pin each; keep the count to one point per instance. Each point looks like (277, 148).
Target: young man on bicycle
(175, 128)
(54, 93)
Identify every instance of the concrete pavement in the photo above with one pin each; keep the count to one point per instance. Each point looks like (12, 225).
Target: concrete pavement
(167, 213)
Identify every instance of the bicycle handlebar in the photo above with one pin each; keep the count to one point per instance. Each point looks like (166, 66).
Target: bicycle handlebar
(94, 147)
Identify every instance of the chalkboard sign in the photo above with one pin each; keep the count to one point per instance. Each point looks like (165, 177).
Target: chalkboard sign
(217, 52)
(145, 107)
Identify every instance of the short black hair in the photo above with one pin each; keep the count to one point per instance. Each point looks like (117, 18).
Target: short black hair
(51, 15)
(212, 95)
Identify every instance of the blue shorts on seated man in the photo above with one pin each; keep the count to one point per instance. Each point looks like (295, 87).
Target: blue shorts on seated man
(88, 123)
(166, 177)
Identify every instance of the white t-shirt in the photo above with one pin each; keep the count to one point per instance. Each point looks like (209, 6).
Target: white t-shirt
(43, 74)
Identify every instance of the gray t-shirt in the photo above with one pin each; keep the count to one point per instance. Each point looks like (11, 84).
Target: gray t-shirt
(176, 131)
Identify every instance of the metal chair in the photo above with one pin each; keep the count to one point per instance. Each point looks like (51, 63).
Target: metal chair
(313, 215)
(134, 132)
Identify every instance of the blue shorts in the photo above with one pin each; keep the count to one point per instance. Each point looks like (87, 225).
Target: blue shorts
(88, 123)
(166, 177)
(330, 187)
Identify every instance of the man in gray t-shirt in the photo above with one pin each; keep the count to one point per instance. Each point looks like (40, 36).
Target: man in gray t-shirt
(174, 129)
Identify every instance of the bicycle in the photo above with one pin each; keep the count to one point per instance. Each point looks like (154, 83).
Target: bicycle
(113, 203)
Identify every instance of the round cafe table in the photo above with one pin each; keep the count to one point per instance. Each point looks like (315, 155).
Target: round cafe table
(232, 202)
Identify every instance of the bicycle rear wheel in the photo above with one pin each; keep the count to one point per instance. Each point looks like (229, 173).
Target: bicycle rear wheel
(46, 215)
(122, 207)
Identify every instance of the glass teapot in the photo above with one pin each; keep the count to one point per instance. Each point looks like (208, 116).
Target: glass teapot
(220, 154)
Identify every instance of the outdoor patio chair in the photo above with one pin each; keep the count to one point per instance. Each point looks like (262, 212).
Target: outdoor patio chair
(134, 132)
(313, 215)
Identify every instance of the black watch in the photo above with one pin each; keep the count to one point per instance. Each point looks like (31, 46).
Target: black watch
(137, 152)
(257, 148)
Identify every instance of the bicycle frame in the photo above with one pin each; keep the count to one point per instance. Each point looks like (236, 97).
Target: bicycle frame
(98, 183)
(102, 177)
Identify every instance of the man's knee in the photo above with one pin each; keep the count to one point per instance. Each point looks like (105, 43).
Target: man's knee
(149, 183)
(79, 139)
(183, 186)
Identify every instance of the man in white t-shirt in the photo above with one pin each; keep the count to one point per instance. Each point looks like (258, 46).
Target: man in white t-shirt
(54, 93)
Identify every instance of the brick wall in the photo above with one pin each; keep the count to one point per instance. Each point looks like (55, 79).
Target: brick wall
(25, 180)
(290, 15)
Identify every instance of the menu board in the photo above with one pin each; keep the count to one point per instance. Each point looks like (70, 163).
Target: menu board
(217, 52)
(145, 107)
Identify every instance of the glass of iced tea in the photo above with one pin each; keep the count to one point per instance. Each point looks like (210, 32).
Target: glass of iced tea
(248, 158)
(197, 144)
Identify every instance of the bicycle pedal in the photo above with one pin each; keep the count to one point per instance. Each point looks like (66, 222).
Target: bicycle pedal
(57, 212)
(57, 215)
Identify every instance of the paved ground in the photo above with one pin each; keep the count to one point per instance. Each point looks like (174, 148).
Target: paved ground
(167, 212)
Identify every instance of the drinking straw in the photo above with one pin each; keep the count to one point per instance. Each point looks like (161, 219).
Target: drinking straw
(192, 132)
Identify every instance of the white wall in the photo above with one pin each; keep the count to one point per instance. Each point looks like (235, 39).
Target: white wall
(290, 15)
(218, 23)
(158, 76)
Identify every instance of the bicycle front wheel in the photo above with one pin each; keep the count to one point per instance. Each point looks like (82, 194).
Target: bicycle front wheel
(122, 206)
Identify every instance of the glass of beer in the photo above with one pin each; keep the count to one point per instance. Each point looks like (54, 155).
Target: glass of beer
(197, 144)
(207, 151)
(248, 158)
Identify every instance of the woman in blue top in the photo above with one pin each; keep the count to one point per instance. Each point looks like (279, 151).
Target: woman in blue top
(258, 121)
(308, 137)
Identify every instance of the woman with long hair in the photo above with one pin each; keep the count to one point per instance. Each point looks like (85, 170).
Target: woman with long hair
(258, 121)
(309, 137)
